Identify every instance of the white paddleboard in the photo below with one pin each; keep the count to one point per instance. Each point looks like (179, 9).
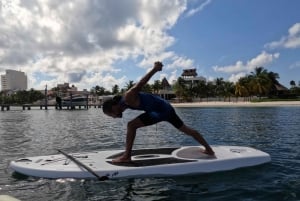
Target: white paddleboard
(8, 198)
(145, 162)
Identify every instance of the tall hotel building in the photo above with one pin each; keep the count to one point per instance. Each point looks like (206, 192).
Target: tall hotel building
(13, 80)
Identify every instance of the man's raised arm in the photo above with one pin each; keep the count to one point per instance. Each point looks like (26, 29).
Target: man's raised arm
(139, 85)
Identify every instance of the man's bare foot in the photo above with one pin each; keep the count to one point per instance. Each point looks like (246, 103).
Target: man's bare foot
(122, 159)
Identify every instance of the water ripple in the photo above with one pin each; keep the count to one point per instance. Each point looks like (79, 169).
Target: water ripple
(38, 132)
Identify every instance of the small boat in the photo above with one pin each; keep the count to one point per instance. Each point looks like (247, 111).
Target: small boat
(75, 101)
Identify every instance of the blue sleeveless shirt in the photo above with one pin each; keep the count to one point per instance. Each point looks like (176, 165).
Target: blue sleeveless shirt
(157, 107)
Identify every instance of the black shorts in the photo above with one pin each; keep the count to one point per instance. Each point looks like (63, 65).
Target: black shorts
(149, 119)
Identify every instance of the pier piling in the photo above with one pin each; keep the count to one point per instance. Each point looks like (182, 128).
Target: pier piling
(3, 107)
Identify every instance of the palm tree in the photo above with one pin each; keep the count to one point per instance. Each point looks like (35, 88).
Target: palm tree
(273, 77)
(115, 89)
(242, 88)
(293, 84)
(129, 85)
(274, 83)
(200, 89)
(156, 86)
(228, 90)
(180, 88)
(260, 82)
(219, 87)
(100, 90)
(211, 90)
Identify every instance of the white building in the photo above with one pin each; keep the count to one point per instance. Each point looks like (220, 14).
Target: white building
(13, 80)
(190, 75)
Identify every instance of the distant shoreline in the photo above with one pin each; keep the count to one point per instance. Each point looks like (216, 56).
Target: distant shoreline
(237, 104)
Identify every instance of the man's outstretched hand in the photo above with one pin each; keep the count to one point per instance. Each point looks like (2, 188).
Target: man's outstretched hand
(158, 66)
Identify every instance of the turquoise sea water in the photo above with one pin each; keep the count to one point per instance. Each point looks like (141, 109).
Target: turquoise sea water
(274, 130)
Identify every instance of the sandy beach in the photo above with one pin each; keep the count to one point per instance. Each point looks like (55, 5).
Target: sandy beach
(238, 104)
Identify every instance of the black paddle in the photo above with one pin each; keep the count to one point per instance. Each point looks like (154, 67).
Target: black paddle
(100, 178)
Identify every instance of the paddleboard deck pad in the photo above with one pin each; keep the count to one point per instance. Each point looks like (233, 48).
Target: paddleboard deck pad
(145, 162)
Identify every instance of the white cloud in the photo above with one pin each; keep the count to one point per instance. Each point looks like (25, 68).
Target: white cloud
(172, 62)
(211, 78)
(199, 8)
(292, 40)
(160, 14)
(182, 62)
(85, 39)
(239, 69)
(262, 59)
(235, 77)
(295, 65)
(171, 78)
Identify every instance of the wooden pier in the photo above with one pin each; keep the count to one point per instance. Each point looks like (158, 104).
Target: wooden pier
(8, 107)
(5, 107)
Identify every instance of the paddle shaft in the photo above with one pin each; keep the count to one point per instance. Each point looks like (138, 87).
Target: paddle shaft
(83, 165)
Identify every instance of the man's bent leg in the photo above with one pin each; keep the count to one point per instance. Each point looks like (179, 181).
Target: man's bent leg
(198, 137)
(130, 136)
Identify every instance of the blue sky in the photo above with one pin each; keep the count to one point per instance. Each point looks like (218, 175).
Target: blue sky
(227, 32)
(89, 43)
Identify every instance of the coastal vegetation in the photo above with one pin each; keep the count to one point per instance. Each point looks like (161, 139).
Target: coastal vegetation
(21, 97)
(259, 85)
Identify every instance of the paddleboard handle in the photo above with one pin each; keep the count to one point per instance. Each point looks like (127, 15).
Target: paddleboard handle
(100, 178)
